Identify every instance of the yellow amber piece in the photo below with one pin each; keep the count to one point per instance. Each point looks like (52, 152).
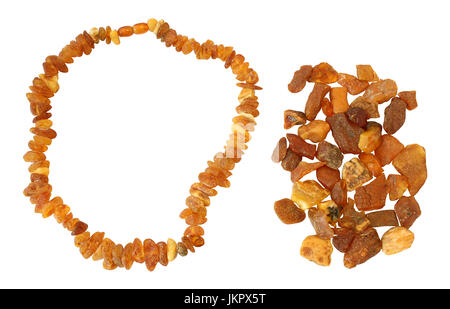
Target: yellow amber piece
(114, 37)
(317, 250)
(171, 249)
(308, 193)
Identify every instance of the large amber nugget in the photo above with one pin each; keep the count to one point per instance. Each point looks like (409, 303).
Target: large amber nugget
(316, 131)
(308, 193)
(317, 250)
(397, 186)
(353, 85)
(380, 91)
(407, 210)
(314, 102)
(299, 79)
(363, 247)
(389, 148)
(329, 153)
(288, 212)
(323, 73)
(355, 174)
(394, 116)
(370, 139)
(373, 195)
(345, 133)
(411, 163)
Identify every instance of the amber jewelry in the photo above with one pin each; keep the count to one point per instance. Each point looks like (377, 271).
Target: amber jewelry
(216, 174)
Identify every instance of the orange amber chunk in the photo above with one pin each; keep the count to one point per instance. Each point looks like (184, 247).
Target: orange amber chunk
(127, 256)
(327, 176)
(314, 102)
(323, 73)
(411, 163)
(366, 73)
(138, 251)
(304, 168)
(308, 193)
(389, 148)
(373, 195)
(397, 186)
(151, 252)
(353, 85)
(372, 163)
(370, 139)
(125, 31)
(363, 247)
(315, 131)
(299, 79)
(288, 212)
(162, 249)
(140, 28)
(338, 96)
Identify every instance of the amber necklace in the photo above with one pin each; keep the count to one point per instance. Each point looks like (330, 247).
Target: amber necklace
(96, 245)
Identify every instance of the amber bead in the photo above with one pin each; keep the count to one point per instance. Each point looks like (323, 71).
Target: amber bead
(407, 210)
(81, 239)
(138, 251)
(194, 230)
(372, 163)
(162, 250)
(40, 87)
(101, 34)
(49, 207)
(308, 193)
(300, 78)
(382, 218)
(327, 176)
(37, 98)
(127, 256)
(291, 160)
(197, 241)
(203, 188)
(373, 195)
(363, 247)
(397, 186)
(304, 168)
(315, 131)
(60, 212)
(117, 253)
(34, 156)
(79, 228)
(366, 73)
(88, 248)
(81, 41)
(140, 28)
(49, 69)
(41, 116)
(320, 223)
(323, 73)
(330, 154)
(171, 249)
(40, 167)
(292, 118)
(394, 115)
(345, 133)
(125, 31)
(288, 212)
(58, 62)
(339, 193)
(114, 37)
(352, 84)
(36, 188)
(181, 249)
(162, 30)
(314, 102)
(151, 252)
(411, 163)
(207, 179)
(409, 97)
(38, 178)
(300, 147)
(188, 243)
(389, 148)
(107, 252)
(194, 203)
(170, 38)
(108, 35)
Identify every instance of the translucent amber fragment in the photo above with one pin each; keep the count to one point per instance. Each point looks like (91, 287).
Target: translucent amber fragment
(114, 37)
(342, 239)
(194, 203)
(140, 28)
(394, 116)
(314, 102)
(372, 163)
(194, 230)
(151, 23)
(327, 107)
(315, 131)
(396, 239)
(290, 161)
(371, 108)
(382, 218)
(188, 243)
(304, 168)
(411, 163)
(373, 195)
(58, 62)
(300, 147)
(34, 156)
(60, 212)
(366, 73)
(323, 73)
(338, 96)
(181, 249)
(279, 153)
(79, 228)
(197, 241)
(370, 139)
(409, 97)
(117, 253)
(107, 251)
(407, 210)
(363, 247)
(380, 91)
(317, 250)
(37, 188)
(352, 84)
(162, 247)
(353, 219)
(127, 256)
(151, 253)
(389, 148)
(201, 187)
(358, 116)
(292, 118)
(298, 82)
(345, 133)
(355, 174)
(308, 193)
(88, 248)
(329, 153)
(81, 238)
(288, 212)
(49, 69)
(171, 249)
(320, 224)
(397, 186)
(138, 251)
(339, 193)
(327, 176)
(49, 207)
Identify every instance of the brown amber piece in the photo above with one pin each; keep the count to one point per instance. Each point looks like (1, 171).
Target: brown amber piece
(279, 153)
(151, 253)
(292, 118)
(163, 260)
(317, 250)
(288, 212)
(372, 163)
(299, 146)
(138, 251)
(308, 193)
(371, 108)
(366, 73)
(355, 174)
(58, 62)
(329, 153)
(315, 131)
(358, 116)
(314, 102)
(299, 79)
(396, 240)
(353, 219)
(380, 91)
(389, 148)
(327, 107)
(339, 193)
(327, 176)
(338, 97)
(373, 195)
(411, 163)
(320, 224)
(290, 161)
(80, 227)
(407, 210)
(127, 256)
(181, 249)
(370, 139)
(194, 230)
(323, 73)
(409, 97)
(394, 116)
(397, 186)
(352, 84)
(363, 247)
(188, 243)
(304, 168)
(345, 133)
(342, 239)
(117, 254)
(382, 218)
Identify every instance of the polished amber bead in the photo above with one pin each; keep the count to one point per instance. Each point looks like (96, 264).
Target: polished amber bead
(188, 243)
(140, 28)
(117, 254)
(50, 206)
(107, 252)
(81, 239)
(114, 37)
(125, 31)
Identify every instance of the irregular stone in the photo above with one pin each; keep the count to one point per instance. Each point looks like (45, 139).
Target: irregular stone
(353, 219)
(372, 163)
(329, 153)
(308, 193)
(355, 174)
(407, 210)
(290, 161)
(358, 116)
(366, 73)
(331, 210)
(299, 79)
(394, 116)
(323, 73)
(314, 102)
(317, 250)
(304, 168)
(396, 239)
(339, 193)
(397, 186)
(288, 212)
(320, 223)
(363, 247)
(411, 163)
(292, 118)
(389, 148)
(279, 153)
(353, 84)
(338, 97)
(345, 133)
(343, 238)
(373, 195)
(380, 91)
(382, 218)
(299, 146)
(371, 108)
(327, 107)
(409, 97)
(315, 131)
(327, 176)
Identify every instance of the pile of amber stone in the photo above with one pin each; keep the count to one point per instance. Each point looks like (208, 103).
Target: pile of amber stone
(330, 209)
(96, 245)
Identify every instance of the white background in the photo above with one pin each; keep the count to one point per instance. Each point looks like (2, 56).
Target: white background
(137, 122)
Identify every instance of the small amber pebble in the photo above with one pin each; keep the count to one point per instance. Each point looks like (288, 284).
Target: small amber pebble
(292, 118)
(127, 256)
(411, 162)
(397, 186)
(320, 224)
(380, 91)
(197, 241)
(194, 230)
(371, 108)
(140, 28)
(138, 251)
(338, 97)
(107, 251)
(304, 168)
(125, 31)
(353, 85)
(394, 115)
(372, 163)
(366, 73)
(314, 102)
(409, 97)
(355, 174)
(343, 238)
(353, 219)
(291, 160)
(299, 146)
(114, 37)
(308, 193)
(317, 250)
(345, 133)
(329, 153)
(81, 238)
(299, 79)
(288, 212)
(49, 133)
(117, 253)
(396, 240)
(188, 243)
(389, 148)
(407, 210)
(151, 253)
(358, 116)
(163, 260)
(327, 176)
(370, 139)
(34, 156)
(315, 131)
(279, 153)
(363, 247)
(331, 210)
(171, 249)
(382, 218)
(373, 195)
(339, 193)
(327, 107)
(79, 228)
(323, 73)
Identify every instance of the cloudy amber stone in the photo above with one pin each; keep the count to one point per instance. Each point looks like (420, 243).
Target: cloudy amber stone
(411, 163)
(308, 193)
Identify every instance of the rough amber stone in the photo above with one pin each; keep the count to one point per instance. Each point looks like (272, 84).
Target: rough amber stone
(34, 168)
(292, 118)
(370, 139)
(98, 254)
(188, 46)
(140, 28)
(44, 124)
(396, 240)
(339, 193)
(373, 195)
(320, 224)
(397, 186)
(181, 249)
(363, 247)
(41, 116)
(60, 212)
(315, 131)
(288, 212)
(117, 253)
(101, 34)
(84, 44)
(51, 82)
(299, 146)
(280, 151)
(317, 250)
(181, 40)
(355, 174)
(407, 210)
(49, 69)
(352, 84)
(372, 163)
(299, 79)
(171, 249)
(88, 248)
(207, 179)
(107, 250)
(353, 219)
(71, 224)
(40, 87)
(203, 188)
(358, 116)
(314, 102)
(290, 161)
(394, 116)
(371, 108)
(343, 238)
(194, 230)
(163, 29)
(34, 156)
(58, 62)
(327, 176)
(37, 98)
(81, 239)
(411, 162)
(151, 253)
(49, 207)
(170, 38)
(409, 97)
(329, 153)
(308, 193)
(188, 243)
(382, 218)
(327, 107)
(79, 228)
(127, 256)
(194, 203)
(366, 73)
(162, 249)
(345, 133)
(197, 241)
(37, 188)
(389, 148)
(338, 96)
(332, 211)
(380, 91)
(138, 251)
(304, 168)
(323, 73)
